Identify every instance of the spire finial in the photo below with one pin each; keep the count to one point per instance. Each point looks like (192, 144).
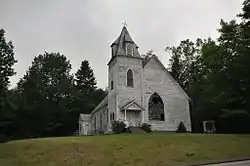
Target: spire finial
(124, 24)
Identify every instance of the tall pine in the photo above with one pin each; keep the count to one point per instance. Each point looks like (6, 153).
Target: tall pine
(85, 86)
(85, 79)
(7, 61)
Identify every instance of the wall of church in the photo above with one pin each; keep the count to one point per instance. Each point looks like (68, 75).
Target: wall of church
(84, 127)
(176, 105)
(100, 121)
(112, 76)
(125, 93)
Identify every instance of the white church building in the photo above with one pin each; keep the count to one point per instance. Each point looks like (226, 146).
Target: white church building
(139, 91)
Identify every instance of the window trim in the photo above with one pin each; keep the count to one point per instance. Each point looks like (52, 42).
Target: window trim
(164, 114)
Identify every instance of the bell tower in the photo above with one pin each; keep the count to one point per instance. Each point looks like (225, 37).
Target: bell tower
(125, 74)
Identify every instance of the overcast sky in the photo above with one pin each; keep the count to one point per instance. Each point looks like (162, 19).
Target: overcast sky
(84, 29)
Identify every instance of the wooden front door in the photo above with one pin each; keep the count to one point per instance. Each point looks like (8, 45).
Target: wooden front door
(133, 118)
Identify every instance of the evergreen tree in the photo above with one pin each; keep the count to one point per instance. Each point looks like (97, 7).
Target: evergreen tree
(85, 79)
(7, 61)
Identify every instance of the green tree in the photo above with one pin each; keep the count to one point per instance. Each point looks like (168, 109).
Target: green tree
(85, 86)
(86, 96)
(216, 75)
(46, 89)
(85, 79)
(7, 61)
(183, 59)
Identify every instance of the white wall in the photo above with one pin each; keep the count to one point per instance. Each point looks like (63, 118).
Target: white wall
(125, 93)
(176, 105)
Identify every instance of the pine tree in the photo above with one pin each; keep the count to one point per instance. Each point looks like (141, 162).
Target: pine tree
(7, 61)
(85, 79)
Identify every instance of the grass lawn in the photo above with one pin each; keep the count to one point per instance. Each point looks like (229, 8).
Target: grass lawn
(129, 149)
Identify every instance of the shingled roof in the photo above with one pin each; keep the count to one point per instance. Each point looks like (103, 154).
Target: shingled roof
(123, 38)
(85, 117)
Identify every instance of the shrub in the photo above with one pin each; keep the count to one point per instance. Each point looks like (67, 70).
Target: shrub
(181, 128)
(118, 127)
(146, 127)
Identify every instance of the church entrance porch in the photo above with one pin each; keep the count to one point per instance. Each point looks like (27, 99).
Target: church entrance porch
(132, 114)
(133, 117)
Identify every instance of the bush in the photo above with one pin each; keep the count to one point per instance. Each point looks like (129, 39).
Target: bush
(146, 127)
(118, 127)
(181, 128)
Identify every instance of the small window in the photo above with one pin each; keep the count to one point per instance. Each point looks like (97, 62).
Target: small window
(107, 114)
(130, 78)
(112, 116)
(112, 85)
(95, 122)
(129, 49)
(101, 120)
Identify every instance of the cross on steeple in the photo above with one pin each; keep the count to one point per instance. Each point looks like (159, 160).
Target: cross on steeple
(124, 23)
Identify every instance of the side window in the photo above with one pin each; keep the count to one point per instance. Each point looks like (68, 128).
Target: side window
(112, 85)
(95, 122)
(107, 115)
(101, 120)
(112, 116)
(130, 80)
(129, 49)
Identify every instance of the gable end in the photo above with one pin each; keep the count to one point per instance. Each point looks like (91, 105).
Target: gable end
(166, 71)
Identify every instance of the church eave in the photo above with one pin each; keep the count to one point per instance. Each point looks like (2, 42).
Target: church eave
(114, 44)
(128, 56)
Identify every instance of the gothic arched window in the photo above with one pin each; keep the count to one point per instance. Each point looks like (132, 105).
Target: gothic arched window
(130, 81)
(156, 108)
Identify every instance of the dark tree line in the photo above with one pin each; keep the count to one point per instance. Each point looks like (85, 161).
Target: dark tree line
(216, 75)
(48, 99)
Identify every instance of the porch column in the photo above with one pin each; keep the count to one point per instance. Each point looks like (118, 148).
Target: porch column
(142, 116)
(125, 114)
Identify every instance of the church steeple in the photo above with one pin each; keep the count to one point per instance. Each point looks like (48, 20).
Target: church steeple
(124, 45)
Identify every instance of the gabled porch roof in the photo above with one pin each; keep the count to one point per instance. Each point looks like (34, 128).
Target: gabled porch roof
(131, 105)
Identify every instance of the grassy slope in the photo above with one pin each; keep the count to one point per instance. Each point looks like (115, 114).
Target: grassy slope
(136, 149)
